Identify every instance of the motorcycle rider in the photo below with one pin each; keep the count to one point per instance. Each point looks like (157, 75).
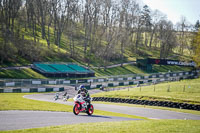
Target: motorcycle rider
(86, 96)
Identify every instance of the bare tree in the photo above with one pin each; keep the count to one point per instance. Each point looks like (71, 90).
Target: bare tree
(41, 9)
(167, 38)
(157, 16)
(59, 14)
(182, 29)
(72, 14)
(31, 16)
(8, 12)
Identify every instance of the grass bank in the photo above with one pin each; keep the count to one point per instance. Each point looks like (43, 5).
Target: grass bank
(28, 73)
(15, 101)
(150, 126)
(185, 91)
(152, 107)
(25, 73)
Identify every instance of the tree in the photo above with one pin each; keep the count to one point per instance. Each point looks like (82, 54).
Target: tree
(60, 19)
(49, 21)
(91, 15)
(146, 21)
(133, 16)
(9, 10)
(196, 48)
(156, 17)
(182, 34)
(167, 38)
(109, 14)
(31, 17)
(124, 26)
(42, 7)
(197, 25)
(139, 24)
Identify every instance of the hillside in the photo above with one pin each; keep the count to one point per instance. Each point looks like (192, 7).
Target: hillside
(40, 51)
(87, 34)
(27, 73)
(54, 53)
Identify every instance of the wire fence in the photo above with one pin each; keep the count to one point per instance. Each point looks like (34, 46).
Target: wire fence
(151, 87)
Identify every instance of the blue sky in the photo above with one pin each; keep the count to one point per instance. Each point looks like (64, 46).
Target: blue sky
(174, 9)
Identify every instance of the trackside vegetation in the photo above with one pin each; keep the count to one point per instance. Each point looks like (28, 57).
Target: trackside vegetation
(33, 31)
(25, 73)
(15, 101)
(185, 91)
(141, 126)
(152, 107)
(28, 73)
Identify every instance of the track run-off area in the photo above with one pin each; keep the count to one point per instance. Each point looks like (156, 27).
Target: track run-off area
(12, 120)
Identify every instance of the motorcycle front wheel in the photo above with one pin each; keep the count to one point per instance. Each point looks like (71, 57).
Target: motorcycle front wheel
(76, 109)
(90, 110)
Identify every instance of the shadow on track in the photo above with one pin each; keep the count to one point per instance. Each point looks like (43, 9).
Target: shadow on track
(97, 116)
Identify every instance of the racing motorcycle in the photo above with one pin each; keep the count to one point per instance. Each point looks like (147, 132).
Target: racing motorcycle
(56, 97)
(82, 106)
(65, 98)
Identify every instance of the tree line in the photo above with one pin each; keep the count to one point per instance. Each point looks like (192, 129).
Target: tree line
(105, 29)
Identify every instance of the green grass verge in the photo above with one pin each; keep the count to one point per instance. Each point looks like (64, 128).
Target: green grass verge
(126, 69)
(26, 73)
(166, 68)
(152, 107)
(15, 101)
(187, 91)
(149, 126)
(131, 69)
(18, 62)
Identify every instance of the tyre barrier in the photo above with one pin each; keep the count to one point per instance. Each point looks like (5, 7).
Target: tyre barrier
(28, 90)
(150, 103)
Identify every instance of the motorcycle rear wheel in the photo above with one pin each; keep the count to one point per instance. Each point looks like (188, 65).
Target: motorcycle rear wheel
(76, 110)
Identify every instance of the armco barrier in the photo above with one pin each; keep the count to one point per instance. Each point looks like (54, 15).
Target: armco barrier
(27, 90)
(150, 103)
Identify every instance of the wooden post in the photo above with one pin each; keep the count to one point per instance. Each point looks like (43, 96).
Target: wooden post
(168, 89)
(184, 88)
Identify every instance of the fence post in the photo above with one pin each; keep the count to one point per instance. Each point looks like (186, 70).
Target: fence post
(154, 89)
(140, 88)
(184, 88)
(168, 89)
(21, 82)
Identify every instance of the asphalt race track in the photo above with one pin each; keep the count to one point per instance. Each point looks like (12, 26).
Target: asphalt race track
(13, 120)
(139, 111)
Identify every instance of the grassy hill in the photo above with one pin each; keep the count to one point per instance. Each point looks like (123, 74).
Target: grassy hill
(25, 50)
(28, 73)
(30, 51)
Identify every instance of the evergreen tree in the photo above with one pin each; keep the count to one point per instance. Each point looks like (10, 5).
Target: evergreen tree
(197, 25)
